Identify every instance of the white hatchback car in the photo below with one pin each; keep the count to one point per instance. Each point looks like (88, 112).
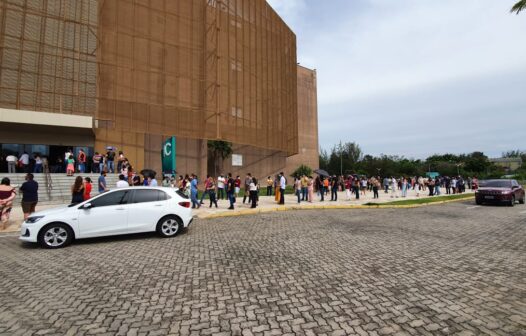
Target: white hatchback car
(121, 211)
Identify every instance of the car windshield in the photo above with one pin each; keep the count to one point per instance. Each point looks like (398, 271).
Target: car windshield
(496, 184)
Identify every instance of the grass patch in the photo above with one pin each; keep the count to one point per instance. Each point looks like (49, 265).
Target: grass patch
(425, 200)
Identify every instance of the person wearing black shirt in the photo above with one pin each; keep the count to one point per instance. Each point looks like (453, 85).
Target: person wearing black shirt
(29, 190)
(230, 191)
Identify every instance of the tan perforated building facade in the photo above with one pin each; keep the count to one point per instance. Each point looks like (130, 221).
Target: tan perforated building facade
(138, 71)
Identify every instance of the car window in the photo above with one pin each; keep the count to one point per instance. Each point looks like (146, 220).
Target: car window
(113, 198)
(149, 195)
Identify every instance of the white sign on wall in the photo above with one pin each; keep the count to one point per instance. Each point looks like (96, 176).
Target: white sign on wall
(237, 160)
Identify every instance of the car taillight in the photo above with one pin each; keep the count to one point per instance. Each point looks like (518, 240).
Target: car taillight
(184, 204)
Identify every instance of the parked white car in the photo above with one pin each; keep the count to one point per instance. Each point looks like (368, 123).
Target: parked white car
(122, 211)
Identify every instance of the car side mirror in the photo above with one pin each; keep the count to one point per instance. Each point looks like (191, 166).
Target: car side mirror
(86, 206)
(515, 187)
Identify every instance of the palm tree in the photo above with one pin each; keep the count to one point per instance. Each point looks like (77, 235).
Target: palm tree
(220, 150)
(521, 5)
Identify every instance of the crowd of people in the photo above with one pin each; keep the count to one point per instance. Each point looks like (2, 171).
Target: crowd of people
(227, 187)
(70, 163)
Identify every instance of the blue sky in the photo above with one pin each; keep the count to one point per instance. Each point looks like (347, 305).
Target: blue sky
(415, 77)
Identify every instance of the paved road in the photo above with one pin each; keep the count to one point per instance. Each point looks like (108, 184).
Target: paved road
(439, 270)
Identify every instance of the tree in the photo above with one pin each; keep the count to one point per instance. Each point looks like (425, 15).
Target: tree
(220, 150)
(324, 159)
(519, 6)
(302, 170)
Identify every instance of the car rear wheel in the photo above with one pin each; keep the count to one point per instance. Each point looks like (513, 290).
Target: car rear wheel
(55, 235)
(169, 226)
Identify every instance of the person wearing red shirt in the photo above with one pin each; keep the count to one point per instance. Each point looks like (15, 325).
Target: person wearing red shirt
(87, 188)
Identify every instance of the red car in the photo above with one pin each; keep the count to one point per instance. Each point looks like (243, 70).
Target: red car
(499, 191)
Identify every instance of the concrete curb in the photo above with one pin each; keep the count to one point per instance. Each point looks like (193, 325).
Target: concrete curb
(326, 207)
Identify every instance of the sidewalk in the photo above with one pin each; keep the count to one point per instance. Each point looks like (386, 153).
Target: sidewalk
(266, 204)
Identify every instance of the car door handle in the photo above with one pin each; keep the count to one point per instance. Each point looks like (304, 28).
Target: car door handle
(158, 205)
(120, 209)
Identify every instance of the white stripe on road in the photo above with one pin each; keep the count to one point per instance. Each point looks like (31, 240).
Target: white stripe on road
(523, 212)
(4, 235)
(473, 207)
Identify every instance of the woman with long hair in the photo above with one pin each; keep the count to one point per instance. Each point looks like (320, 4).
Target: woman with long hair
(70, 169)
(77, 191)
(87, 188)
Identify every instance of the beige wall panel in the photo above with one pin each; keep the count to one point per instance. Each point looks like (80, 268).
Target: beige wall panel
(307, 122)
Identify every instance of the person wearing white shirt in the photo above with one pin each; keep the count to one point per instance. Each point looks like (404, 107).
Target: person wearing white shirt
(11, 163)
(221, 187)
(253, 188)
(282, 186)
(24, 158)
(122, 183)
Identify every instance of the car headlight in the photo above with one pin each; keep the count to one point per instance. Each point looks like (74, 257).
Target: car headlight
(34, 219)
(505, 192)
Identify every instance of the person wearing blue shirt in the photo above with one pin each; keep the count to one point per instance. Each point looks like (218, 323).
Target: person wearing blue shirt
(193, 192)
(102, 182)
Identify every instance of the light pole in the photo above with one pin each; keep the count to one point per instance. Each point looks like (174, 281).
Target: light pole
(341, 159)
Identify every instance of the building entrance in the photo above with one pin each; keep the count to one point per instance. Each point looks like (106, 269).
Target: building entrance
(55, 156)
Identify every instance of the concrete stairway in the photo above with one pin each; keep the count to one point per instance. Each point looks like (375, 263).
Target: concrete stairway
(60, 191)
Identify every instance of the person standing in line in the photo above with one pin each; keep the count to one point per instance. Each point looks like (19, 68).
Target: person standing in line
(298, 188)
(282, 187)
(376, 186)
(276, 189)
(122, 182)
(221, 187)
(70, 170)
(87, 188)
(304, 188)
(431, 186)
(7, 195)
(120, 160)
(24, 161)
(152, 181)
(205, 192)
(231, 191)
(321, 188)
(97, 158)
(394, 187)
(348, 186)
(102, 182)
(437, 186)
(363, 185)
(11, 163)
(404, 187)
(310, 187)
(194, 192)
(237, 186)
(81, 158)
(248, 180)
(270, 183)
(386, 184)
(253, 187)
(38, 164)
(110, 158)
(334, 189)
(211, 189)
(356, 188)
(77, 191)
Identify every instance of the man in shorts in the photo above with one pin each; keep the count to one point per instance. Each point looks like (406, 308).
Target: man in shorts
(29, 191)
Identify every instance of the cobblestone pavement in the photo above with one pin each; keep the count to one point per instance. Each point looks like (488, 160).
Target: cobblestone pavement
(438, 270)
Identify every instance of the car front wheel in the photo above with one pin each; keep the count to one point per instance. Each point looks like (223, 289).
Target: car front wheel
(55, 235)
(512, 202)
(169, 226)
(521, 201)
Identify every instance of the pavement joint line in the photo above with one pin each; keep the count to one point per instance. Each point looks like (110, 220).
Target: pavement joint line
(326, 207)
